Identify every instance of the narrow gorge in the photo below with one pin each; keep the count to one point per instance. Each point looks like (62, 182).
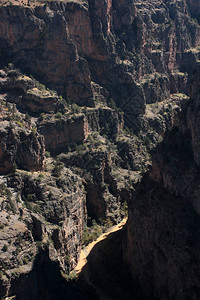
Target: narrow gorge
(99, 122)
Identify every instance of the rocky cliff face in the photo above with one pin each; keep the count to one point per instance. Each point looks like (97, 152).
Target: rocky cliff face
(163, 228)
(71, 45)
(39, 211)
(65, 154)
(22, 148)
(40, 41)
(60, 133)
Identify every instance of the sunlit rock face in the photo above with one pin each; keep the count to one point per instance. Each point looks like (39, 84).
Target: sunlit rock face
(119, 45)
(40, 42)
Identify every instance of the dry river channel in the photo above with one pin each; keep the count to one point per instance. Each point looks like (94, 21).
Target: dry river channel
(82, 268)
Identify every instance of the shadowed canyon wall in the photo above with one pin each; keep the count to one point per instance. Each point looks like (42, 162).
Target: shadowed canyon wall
(163, 245)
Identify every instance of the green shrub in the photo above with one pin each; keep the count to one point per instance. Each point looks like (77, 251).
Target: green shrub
(124, 209)
(107, 223)
(71, 276)
(34, 131)
(47, 154)
(90, 234)
(27, 117)
(58, 168)
(75, 108)
(40, 177)
(12, 206)
(36, 208)
(112, 104)
(31, 197)
(1, 274)
(58, 115)
(25, 260)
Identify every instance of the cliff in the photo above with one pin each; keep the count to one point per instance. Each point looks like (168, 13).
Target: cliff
(129, 48)
(22, 148)
(89, 90)
(45, 211)
(163, 227)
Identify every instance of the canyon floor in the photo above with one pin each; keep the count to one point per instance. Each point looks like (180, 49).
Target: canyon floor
(86, 251)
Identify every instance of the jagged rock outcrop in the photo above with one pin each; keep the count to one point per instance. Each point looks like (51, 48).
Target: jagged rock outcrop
(39, 212)
(78, 45)
(163, 245)
(105, 121)
(17, 252)
(40, 43)
(29, 95)
(130, 55)
(62, 132)
(95, 167)
(23, 148)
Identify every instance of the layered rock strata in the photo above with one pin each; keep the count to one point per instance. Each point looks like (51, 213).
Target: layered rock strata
(128, 55)
(75, 46)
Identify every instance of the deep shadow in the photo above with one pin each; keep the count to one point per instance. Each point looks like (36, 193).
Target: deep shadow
(108, 272)
(46, 282)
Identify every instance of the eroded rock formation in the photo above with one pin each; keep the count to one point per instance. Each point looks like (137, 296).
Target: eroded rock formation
(163, 228)
(39, 212)
(24, 148)
(105, 64)
(124, 47)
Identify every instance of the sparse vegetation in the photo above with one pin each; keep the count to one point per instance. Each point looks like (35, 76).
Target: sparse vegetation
(58, 167)
(124, 209)
(47, 154)
(70, 277)
(91, 233)
(58, 115)
(4, 191)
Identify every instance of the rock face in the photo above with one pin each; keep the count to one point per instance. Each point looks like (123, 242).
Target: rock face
(60, 133)
(71, 46)
(63, 131)
(23, 148)
(105, 121)
(42, 44)
(194, 8)
(105, 64)
(29, 95)
(104, 197)
(60, 200)
(18, 253)
(39, 212)
(163, 245)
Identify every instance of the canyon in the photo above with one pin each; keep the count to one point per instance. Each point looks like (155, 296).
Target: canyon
(99, 119)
